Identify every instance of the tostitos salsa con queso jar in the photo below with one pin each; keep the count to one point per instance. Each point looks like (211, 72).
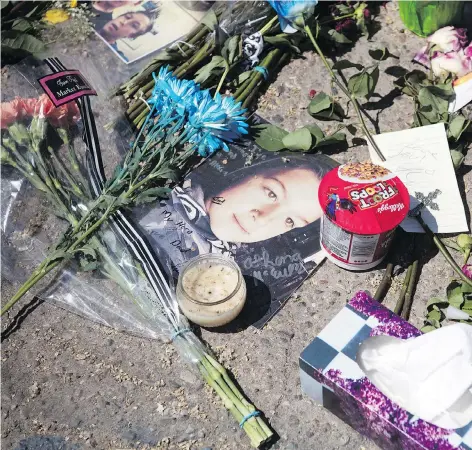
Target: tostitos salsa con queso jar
(363, 204)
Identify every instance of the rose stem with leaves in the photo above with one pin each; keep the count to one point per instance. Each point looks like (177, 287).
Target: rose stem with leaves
(344, 89)
(382, 290)
(410, 290)
(442, 248)
(401, 299)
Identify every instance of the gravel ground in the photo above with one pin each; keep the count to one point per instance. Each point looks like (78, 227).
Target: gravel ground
(68, 383)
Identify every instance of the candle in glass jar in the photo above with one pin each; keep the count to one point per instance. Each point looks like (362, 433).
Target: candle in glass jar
(211, 290)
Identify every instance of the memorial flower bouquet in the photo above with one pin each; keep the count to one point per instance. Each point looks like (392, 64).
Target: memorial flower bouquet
(239, 47)
(183, 121)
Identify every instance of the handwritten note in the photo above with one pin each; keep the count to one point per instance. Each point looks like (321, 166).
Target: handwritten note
(420, 157)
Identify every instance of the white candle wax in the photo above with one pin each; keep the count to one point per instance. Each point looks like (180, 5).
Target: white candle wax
(211, 291)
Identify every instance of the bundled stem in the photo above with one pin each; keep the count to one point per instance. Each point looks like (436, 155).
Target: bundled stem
(384, 284)
(401, 298)
(410, 290)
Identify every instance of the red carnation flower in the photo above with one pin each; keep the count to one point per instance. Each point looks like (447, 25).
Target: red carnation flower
(64, 115)
(44, 106)
(58, 117)
(11, 112)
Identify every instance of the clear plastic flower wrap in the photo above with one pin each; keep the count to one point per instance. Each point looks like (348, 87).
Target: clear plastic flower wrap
(63, 223)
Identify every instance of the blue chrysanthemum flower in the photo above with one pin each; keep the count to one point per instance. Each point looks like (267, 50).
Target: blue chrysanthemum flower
(290, 12)
(236, 121)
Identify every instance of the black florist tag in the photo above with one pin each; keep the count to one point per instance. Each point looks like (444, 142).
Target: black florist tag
(63, 87)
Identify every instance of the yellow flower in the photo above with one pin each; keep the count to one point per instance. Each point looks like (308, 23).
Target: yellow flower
(73, 3)
(56, 16)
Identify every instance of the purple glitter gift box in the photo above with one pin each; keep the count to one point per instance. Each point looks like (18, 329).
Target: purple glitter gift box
(330, 375)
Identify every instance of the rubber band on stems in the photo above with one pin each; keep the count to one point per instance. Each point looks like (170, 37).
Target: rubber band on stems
(179, 333)
(248, 416)
(262, 70)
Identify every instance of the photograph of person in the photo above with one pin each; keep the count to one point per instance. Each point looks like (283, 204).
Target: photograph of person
(136, 28)
(264, 215)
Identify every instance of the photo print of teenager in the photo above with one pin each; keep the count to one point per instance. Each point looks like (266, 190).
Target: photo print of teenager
(136, 28)
(264, 215)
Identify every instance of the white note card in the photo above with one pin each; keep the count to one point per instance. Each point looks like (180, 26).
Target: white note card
(420, 157)
(463, 93)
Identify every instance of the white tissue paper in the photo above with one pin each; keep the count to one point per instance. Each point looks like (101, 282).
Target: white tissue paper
(430, 375)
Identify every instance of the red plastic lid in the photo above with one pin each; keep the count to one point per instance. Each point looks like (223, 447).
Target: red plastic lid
(364, 198)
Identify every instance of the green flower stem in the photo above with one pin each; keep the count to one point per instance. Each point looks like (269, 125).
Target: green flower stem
(384, 284)
(42, 270)
(243, 86)
(442, 248)
(192, 62)
(268, 25)
(410, 290)
(222, 79)
(401, 298)
(335, 19)
(343, 88)
(66, 173)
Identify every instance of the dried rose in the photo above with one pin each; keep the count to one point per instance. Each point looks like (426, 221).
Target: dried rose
(449, 39)
(453, 62)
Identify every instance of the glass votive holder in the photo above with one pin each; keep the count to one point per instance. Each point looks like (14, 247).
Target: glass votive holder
(211, 290)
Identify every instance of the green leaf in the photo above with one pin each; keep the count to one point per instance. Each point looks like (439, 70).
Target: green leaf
(21, 25)
(281, 42)
(457, 126)
(439, 302)
(88, 250)
(244, 76)
(217, 62)
(427, 328)
(153, 194)
(466, 288)
(270, 137)
(332, 139)
(210, 20)
(230, 48)
(464, 241)
(298, 140)
(345, 64)
(322, 107)
(457, 159)
(86, 266)
(360, 84)
(338, 37)
(320, 102)
(434, 315)
(316, 132)
(455, 295)
(24, 42)
(4, 3)
(380, 54)
(437, 97)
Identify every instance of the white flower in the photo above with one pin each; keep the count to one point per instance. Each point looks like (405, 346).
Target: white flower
(449, 39)
(453, 62)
